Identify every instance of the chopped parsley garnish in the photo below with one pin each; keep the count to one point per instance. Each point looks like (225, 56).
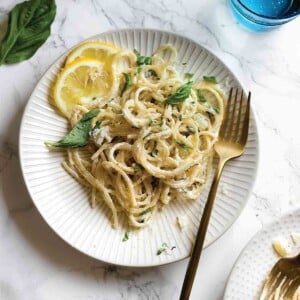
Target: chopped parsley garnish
(111, 100)
(216, 110)
(183, 145)
(154, 152)
(138, 70)
(137, 168)
(94, 98)
(164, 247)
(210, 79)
(126, 236)
(180, 117)
(147, 135)
(181, 94)
(150, 73)
(188, 76)
(184, 63)
(142, 60)
(200, 96)
(150, 122)
(128, 82)
(146, 211)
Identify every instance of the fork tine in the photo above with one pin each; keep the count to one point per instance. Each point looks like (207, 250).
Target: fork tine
(271, 279)
(286, 286)
(231, 119)
(223, 126)
(245, 128)
(238, 123)
(276, 288)
(292, 289)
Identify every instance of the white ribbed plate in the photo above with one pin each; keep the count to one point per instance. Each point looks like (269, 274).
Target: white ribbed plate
(257, 259)
(64, 203)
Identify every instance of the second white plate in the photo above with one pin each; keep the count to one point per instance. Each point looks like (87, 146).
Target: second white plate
(252, 267)
(63, 203)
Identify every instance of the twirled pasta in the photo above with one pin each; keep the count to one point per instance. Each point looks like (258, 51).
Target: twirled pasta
(147, 152)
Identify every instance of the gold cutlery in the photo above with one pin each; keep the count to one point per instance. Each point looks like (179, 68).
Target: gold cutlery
(231, 144)
(283, 281)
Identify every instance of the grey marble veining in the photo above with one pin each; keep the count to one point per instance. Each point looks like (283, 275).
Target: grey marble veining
(36, 264)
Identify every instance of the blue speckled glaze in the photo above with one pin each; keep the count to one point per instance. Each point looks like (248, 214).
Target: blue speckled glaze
(268, 8)
(262, 15)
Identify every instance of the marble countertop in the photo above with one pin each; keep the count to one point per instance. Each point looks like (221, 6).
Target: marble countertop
(38, 265)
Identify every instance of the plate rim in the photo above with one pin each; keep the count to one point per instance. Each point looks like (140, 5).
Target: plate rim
(265, 227)
(132, 29)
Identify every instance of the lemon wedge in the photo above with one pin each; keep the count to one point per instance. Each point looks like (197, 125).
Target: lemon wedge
(80, 82)
(96, 50)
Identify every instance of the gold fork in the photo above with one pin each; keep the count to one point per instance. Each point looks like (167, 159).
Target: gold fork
(231, 144)
(283, 281)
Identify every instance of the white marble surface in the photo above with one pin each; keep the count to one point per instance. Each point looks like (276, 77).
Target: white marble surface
(35, 264)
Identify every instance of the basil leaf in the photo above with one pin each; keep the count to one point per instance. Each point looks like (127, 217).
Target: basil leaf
(142, 60)
(162, 249)
(126, 236)
(79, 135)
(127, 84)
(147, 135)
(183, 145)
(154, 152)
(200, 96)
(137, 168)
(146, 211)
(28, 28)
(188, 76)
(210, 79)
(181, 94)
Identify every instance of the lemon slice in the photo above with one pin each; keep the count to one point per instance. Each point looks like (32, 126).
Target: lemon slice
(81, 82)
(96, 50)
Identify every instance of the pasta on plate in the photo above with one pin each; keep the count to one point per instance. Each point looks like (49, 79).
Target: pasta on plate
(149, 140)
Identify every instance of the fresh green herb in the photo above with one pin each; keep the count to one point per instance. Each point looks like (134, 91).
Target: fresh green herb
(111, 100)
(183, 145)
(142, 60)
(180, 117)
(94, 98)
(138, 70)
(174, 247)
(147, 135)
(162, 249)
(146, 211)
(200, 96)
(150, 73)
(97, 126)
(150, 121)
(154, 152)
(184, 63)
(216, 110)
(79, 135)
(181, 94)
(190, 129)
(137, 168)
(126, 236)
(210, 79)
(161, 122)
(28, 29)
(188, 76)
(128, 82)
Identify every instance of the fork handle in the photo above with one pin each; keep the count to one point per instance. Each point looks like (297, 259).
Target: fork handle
(200, 238)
